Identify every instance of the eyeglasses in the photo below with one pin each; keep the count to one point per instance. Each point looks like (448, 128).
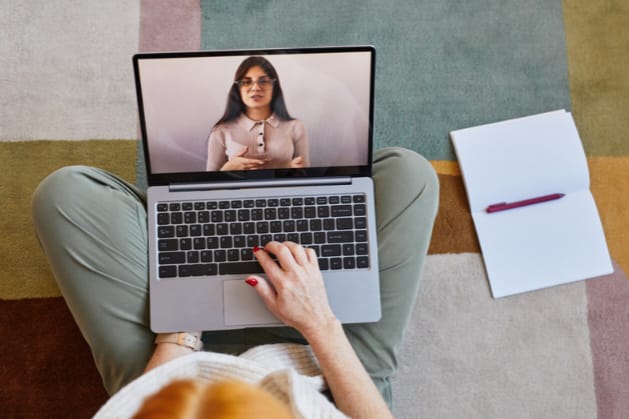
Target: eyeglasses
(263, 82)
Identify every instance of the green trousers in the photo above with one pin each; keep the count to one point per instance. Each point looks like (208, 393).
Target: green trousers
(92, 227)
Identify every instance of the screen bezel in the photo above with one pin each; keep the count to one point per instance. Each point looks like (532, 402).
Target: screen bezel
(265, 174)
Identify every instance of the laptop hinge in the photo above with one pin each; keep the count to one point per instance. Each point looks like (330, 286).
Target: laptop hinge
(249, 184)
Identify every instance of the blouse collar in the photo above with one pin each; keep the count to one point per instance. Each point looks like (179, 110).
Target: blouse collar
(250, 124)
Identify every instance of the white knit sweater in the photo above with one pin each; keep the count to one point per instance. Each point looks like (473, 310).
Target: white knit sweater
(288, 371)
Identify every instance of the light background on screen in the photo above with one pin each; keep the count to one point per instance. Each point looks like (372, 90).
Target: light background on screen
(184, 97)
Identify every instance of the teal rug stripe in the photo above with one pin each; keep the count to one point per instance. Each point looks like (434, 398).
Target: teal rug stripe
(441, 65)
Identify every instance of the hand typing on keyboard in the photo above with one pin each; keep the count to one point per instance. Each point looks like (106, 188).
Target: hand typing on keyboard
(298, 296)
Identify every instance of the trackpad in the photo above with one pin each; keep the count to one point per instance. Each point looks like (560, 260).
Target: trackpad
(243, 306)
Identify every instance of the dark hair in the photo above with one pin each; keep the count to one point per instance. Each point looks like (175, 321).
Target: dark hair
(235, 105)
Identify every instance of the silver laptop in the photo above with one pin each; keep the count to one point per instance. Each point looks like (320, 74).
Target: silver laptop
(247, 146)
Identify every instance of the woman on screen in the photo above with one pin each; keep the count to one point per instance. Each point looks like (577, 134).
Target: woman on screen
(256, 131)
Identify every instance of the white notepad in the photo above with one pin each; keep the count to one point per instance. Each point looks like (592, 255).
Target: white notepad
(540, 245)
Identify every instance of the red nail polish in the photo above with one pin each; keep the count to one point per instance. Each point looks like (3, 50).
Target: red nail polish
(252, 281)
(255, 248)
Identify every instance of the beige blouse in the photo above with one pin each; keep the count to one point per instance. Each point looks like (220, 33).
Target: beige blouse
(273, 140)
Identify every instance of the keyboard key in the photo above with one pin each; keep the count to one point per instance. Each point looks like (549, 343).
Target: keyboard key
(246, 254)
(302, 225)
(360, 209)
(360, 223)
(362, 262)
(170, 258)
(169, 271)
(189, 217)
(212, 242)
(340, 236)
(329, 250)
(176, 217)
(165, 232)
(361, 235)
(220, 255)
(344, 223)
(289, 226)
(253, 241)
(226, 242)
(240, 241)
(244, 215)
(209, 230)
(240, 268)
(166, 245)
(229, 216)
(192, 256)
(336, 263)
(341, 210)
(222, 229)
(217, 216)
(262, 227)
(203, 269)
(182, 231)
(163, 218)
(361, 248)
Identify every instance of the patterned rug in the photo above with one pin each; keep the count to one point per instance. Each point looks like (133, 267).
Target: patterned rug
(68, 98)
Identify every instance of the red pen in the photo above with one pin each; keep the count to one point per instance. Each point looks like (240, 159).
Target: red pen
(502, 206)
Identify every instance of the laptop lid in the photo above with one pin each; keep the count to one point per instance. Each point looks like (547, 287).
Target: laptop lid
(182, 95)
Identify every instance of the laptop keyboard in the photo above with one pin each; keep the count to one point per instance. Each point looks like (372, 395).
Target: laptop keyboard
(200, 238)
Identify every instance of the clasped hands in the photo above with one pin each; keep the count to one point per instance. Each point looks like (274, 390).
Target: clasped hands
(240, 162)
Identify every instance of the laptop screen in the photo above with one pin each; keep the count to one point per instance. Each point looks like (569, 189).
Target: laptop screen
(257, 114)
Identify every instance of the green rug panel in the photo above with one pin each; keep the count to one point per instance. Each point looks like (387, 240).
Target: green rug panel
(441, 65)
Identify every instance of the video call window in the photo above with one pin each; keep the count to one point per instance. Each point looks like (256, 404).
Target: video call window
(250, 112)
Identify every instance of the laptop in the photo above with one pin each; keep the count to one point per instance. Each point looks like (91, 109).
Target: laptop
(247, 146)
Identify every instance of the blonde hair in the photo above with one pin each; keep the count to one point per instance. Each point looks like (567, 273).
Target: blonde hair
(195, 399)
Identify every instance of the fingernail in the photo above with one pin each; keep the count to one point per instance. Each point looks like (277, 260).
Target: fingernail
(256, 248)
(252, 281)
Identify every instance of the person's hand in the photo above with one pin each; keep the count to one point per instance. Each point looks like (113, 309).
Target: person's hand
(240, 162)
(297, 163)
(298, 296)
